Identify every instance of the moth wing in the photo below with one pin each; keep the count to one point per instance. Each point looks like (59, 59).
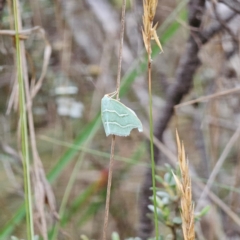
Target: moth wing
(117, 118)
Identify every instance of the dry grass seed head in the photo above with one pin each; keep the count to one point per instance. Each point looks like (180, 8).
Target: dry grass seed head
(149, 31)
(184, 187)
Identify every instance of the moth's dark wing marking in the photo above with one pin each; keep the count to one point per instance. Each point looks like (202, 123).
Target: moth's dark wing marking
(117, 118)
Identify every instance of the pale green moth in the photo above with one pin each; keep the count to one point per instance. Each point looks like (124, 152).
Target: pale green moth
(117, 118)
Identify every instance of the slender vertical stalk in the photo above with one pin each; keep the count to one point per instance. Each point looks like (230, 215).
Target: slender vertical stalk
(149, 32)
(151, 140)
(23, 126)
(109, 189)
(114, 137)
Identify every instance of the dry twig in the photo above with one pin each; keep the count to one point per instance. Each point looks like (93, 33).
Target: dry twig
(211, 96)
(113, 137)
(218, 165)
(233, 4)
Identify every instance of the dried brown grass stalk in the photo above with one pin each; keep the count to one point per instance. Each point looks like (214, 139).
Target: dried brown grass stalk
(184, 187)
(149, 30)
(105, 225)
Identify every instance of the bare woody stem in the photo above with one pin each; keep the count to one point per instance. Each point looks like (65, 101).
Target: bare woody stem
(109, 189)
(121, 48)
(113, 137)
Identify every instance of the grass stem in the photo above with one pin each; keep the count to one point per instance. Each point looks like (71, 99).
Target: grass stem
(113, 137)
(23, 126)
(151, 141)
(149, 33)
(109, 189)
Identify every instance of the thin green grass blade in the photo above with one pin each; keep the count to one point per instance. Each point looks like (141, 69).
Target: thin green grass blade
(7, 230)
(23, 124)
(90, 212)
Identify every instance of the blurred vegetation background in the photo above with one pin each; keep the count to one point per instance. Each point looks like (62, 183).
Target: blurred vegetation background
(83, 38)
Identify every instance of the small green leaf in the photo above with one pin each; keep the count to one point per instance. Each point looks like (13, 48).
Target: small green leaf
(159, 213)
(168, 177)
(162, 194)
(159, 179)
(177, 220)
(165, 201)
